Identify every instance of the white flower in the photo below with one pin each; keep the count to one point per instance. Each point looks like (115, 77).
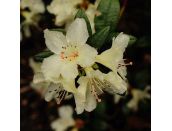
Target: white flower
(38, 83)
(91, 13)
(64, 10)
(138, 95)
(49, 90)
(116, 85)
(70, 51)
(35, 6)
(65, 121)
(92, 85)
(58, 91)
(113, 57)
(25, 25)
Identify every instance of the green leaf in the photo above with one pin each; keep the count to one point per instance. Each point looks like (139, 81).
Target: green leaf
(81, 14)
(39, 57)
(108, 14)
(98, 39)
(133, 39)
(59, 30)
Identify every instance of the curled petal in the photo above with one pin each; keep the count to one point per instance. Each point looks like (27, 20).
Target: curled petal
(115, 84)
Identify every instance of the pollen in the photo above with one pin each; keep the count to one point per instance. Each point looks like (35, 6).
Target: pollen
(69, 52)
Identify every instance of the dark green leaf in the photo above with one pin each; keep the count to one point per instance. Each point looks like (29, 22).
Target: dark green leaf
(42, 55)
(81, 14)
(108, 14)
(98, 39)
(133, 39)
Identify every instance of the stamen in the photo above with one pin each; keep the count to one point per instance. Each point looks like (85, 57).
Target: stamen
(62, 55)
(61, 96)
(97, 84)
(93, 91)
(69, 53)
(124, 64)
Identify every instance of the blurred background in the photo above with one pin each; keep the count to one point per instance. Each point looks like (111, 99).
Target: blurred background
(129, 113)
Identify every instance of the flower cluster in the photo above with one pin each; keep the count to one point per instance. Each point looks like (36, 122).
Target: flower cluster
(71, 56)
(29, 9)
(65, 10)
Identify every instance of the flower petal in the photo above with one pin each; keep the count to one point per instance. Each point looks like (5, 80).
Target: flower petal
(77, 32)
(108, 59)
(69, 85)
(122, 71)
(65, 112)
(38, 78)
(91, 102)
(54, 40)
(80, 95)
(87, 55)
(51, 68)
(69, 70)
(51, 91)
(120, 42)
(111, 57)
(116, 85)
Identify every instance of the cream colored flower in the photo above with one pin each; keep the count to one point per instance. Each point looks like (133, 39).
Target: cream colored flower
(35, 6)
(70, 51)
(91, 13)
(138, 95)
(25, 25)
(92, 85)
(113, 57)
(115, 84)
(64, 10)
(38, 82)
(49, 90)
(58, 91)
(65, 121)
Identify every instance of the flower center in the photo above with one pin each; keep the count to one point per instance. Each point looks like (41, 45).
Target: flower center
(69, 52)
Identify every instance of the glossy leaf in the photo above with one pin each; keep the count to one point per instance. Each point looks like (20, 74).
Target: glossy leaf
(99, 38)
(107, 15)
(42, 55)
